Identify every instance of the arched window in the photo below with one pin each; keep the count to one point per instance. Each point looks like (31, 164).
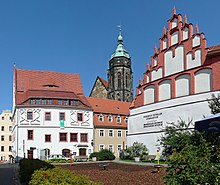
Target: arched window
(126, 80)
(101, 118)
(119, 80)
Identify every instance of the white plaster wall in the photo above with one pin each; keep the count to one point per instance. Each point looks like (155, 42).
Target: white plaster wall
(174, 64)
(196, 41)
(183, 85)
(165, 43)
(148, 77)
(203, 80)
(52, 127)
(197, 61)
(149, 94)
(156, 74)
(143, 121)
(165, 90)
(174, 38)
(185, 33)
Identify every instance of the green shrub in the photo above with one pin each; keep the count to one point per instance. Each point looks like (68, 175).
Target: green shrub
(59, 176)
(103, 155)
(27, 168)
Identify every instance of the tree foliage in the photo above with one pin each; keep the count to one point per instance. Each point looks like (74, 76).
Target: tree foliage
(137, 149)
(193, 157)
(214, 104)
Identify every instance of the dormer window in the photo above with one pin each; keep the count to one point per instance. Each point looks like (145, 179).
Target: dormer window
(75, 103)
(101, 118)
(59, 102)
(118, 119)
(110, 118)
(126, 120)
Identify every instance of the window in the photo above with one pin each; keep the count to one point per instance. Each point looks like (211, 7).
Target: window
(3, 128)
(75, 103)
(73, 137)
(110, 148)
(44, 101)
(62, 116)
(79, 116)
(10, 128)
(126, 120)
(101, 118)
(29, 115)
(110, 118)
(110, 133)
(65, 102)
(10, 148)
(3, 118)
(84, 137)
(119, 80)
(101, 147)
(118, 119)
(119, 133)
(47, 138)
(63, 136)
(30, 134)
(101, 133)
(119, 148)
(59, 102)
(49, 102)
(2, 138)
(47, 116)
(38, 101)
(126, 132)
(10, 138)
(2, 148)
(32, 102)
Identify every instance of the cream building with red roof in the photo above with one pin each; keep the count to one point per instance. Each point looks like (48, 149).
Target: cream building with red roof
(183, 75)
(110, 124)
(50, 115)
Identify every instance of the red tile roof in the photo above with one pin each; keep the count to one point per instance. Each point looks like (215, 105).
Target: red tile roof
(47, 84)
(109, 106)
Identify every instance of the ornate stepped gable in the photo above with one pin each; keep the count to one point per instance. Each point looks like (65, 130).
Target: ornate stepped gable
(179, 67)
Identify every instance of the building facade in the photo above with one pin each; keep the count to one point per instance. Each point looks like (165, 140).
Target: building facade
(183, 75)
(120, 80)
(6, 136)
(110, 124)
(50, 115)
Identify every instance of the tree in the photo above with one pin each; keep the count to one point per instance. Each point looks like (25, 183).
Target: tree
(214, 104)
(192, 157)
(137, 149)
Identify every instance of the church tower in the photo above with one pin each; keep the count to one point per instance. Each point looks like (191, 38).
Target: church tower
(120, 80)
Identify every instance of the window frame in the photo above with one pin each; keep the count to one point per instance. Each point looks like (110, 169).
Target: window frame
(30, 136)
(45, 138)
(118, 119)
(30, 113)
(111, 133)
(73, 133)
(119, 131)
(101, 134)
(45, 116)
(101, 118)
(110, 118)
(61, 137)
(80, 113)
(81, 140)
(63, 115)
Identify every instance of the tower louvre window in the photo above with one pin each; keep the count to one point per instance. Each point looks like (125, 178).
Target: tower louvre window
(119, 80)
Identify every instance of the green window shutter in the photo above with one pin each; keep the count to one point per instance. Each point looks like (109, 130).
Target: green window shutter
(61, 123)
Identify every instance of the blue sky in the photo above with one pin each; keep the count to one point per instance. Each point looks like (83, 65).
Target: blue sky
(73, 36)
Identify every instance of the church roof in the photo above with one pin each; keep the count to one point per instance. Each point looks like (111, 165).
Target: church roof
(120, 50)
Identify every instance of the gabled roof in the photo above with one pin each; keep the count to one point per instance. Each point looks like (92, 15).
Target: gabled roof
(47, 84)
(105, 83)
(109, 106)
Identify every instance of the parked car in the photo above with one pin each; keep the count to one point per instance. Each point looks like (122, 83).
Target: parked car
(57, 156)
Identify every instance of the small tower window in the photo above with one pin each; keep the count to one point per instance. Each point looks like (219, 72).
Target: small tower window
(119, 80)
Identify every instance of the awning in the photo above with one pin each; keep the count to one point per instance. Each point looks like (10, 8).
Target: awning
(209, 124)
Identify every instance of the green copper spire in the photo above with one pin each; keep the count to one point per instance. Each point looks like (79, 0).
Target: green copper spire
(120, 50)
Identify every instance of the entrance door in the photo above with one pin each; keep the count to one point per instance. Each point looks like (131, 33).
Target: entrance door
(82, 151)
(30, 154)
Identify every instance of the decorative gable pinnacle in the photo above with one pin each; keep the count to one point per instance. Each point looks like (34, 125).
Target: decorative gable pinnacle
(174, 10)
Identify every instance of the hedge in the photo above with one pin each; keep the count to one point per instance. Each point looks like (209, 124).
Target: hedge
(59, 176)
(102, 155)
